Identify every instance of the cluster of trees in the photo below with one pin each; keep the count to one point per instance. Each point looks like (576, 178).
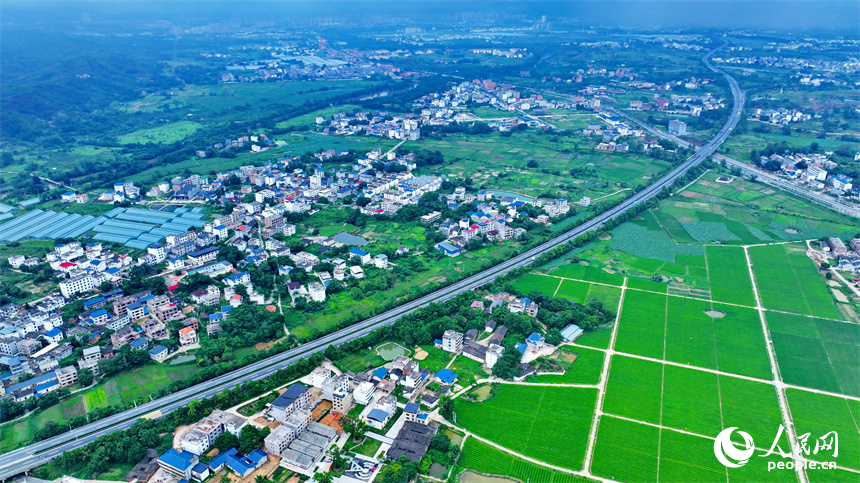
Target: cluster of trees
(400, 471)
(140, 278)
(473, 128)
(120, 447)
(251, 324)
(441, 451)
(125, 359)
(249, 439)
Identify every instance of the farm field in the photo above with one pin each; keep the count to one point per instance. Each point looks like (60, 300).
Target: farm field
(588, 273)
(788, 281)
(744, 212)
(531, 409)
(819, 414)
(584, 292)
(484, 458)
(598, 338)
(679, 330)
(626, 451)
(729, 275)
(649, 285)
(542, 283)
(817, 353)
(585, 369)
(642, 324)
(637, 453)
(686, 399)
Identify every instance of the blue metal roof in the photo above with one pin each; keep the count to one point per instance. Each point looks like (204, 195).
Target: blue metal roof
(94, 301)
(377, 415)
(180, 460)
(157, 350)
(446, 376)
(535, 337)
(138, 343)
(48, 376)
(380, 373)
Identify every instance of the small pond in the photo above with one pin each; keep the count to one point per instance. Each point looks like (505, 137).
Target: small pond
(438, 471)
(182, 359)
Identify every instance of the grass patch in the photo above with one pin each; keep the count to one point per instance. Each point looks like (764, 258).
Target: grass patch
(368, 447)
(166, 134)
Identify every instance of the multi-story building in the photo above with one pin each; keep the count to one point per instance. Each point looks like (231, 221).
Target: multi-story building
(278, 440)
(201, 436)
(316, 291)
(66, 376)
(187, 336)
(677, 127)
(295, 397)
(363, 394)
(76, 285)
(9, 346)
(178, 463)
(124, 336)
(452, 341)
(342, 401)
(199, 257)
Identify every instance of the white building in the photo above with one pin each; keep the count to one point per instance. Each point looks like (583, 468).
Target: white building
(363, 394)
(73, 286)
(316, 291)
(452, 341)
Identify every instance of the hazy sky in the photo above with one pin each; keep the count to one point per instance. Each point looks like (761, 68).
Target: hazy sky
(784, 15)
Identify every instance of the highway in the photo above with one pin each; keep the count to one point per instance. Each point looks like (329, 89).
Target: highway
(34, 455)
(749, 170)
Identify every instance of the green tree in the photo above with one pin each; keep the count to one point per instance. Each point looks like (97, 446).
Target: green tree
(226, 441)
(506, 366)
(85, 377)
(251, 438)
(446, 407)
(324, 477)
(10, 409)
